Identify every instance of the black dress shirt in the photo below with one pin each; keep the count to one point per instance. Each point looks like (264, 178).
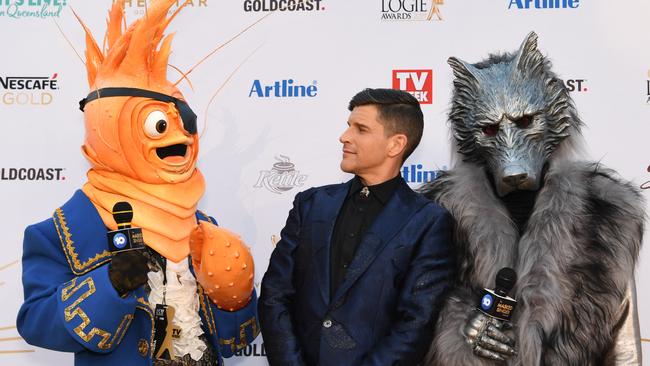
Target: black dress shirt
(358, 213)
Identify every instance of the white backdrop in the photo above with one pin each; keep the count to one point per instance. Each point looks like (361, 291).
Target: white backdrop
(338, 48)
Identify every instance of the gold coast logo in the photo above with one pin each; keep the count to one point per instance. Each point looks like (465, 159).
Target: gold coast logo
(32, 8)
(28, 90)
(31, 174)
(282, 177)
(399, 10)
(256, 6)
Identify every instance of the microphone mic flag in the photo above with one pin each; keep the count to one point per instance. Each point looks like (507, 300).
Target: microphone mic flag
(125, 237)
(496, 303)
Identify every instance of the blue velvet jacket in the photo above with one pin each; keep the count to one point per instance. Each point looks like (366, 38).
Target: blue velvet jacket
(384, 311)
(71, 306)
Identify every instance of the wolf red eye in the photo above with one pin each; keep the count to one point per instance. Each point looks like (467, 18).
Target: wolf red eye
(524, 121)
(491, 130)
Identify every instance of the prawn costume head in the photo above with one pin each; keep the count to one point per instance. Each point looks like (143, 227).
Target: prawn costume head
(137, 122)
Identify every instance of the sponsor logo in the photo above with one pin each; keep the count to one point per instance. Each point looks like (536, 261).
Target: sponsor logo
(417, 82)
(418, 10)
(543, 4)
(28, 90)
(576, 85)
(252, 350)
(32, 8)
(282, 177)
(282, 5)
(286, 88)
(415, 173)
(32, 174)
(486, 302)
(119, 240)
(139, 6)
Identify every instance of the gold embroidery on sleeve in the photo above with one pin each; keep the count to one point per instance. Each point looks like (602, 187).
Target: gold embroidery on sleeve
(73, 310)
(234, 347)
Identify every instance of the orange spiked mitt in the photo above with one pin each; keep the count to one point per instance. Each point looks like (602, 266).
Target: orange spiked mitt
(223, 266)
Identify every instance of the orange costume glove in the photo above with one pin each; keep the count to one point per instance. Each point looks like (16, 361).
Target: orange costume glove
(223, 266)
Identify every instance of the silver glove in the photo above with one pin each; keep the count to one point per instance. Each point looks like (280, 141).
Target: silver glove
(485, 335)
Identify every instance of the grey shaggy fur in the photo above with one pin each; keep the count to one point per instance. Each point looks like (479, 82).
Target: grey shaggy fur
(576, 254)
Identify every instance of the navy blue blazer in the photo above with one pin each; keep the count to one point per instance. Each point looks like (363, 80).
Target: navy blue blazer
(384, 311)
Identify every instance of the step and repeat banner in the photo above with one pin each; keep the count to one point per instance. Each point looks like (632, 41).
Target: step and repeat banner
(272, 103)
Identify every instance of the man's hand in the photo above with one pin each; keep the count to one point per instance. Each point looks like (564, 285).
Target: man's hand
(485, 335)
(128, 270)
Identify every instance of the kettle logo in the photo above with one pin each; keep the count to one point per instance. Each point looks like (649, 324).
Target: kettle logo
(282, 177)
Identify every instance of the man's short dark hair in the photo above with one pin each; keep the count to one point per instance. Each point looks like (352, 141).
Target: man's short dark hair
(399, 112)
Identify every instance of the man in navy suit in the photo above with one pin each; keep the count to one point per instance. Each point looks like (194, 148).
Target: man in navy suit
(362, 267)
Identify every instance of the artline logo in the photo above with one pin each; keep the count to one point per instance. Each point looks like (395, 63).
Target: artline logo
(32, 8)
(417, 82)
(282, 177)
(543, 4)
(282, 5)
(31, 174)
(576, 85)
(286, 88)
(415, 173)
(419, 10)
(28, 90)
(252, 350)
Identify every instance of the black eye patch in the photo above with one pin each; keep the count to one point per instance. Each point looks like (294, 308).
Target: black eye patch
(187, 115)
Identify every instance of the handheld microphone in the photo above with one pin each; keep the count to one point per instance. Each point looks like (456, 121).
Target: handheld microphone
(496, 303)
(125, 237)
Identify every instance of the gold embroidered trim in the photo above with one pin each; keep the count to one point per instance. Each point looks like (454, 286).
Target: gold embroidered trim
(234, 347)
(144, 305)
(204, 308)
(65, 236)
(73, 310)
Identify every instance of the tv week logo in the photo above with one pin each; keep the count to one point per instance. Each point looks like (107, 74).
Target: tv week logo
(417, 82)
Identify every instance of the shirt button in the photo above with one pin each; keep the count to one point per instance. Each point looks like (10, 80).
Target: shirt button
(345, 265)
(327, 323)
(351, 235)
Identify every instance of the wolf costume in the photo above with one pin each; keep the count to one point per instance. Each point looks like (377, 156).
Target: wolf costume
(571, 230)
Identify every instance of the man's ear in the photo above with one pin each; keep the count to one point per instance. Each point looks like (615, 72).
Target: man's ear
(397, 144)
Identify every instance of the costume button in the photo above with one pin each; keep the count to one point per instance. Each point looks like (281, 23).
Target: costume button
(143, 347)
(327, 323)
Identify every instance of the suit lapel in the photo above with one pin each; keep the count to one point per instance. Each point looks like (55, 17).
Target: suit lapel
(397, 212)
(322, 227)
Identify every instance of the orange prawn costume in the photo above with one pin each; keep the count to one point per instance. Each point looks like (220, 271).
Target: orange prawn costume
(142, 143)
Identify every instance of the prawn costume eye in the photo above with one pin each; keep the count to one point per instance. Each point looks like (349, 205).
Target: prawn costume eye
(156, 124)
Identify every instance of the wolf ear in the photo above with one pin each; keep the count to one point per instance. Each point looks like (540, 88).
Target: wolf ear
(528, 57)
(463, 71)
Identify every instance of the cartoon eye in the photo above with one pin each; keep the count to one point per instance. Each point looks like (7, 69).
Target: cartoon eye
(524, 121)
(155, 124)
(491, 130)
